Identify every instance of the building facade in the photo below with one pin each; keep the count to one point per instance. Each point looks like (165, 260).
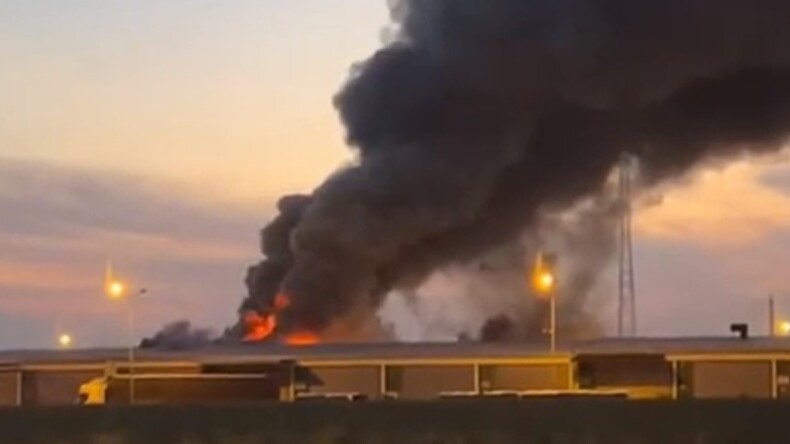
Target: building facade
(637, 369)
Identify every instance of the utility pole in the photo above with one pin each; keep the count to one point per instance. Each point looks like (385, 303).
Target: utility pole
(553, 320)
(130, 331)
(771, 317)
(117, 291)
(626, 300)
(544, 283)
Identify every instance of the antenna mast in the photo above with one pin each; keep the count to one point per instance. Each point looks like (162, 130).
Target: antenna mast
(626, 306)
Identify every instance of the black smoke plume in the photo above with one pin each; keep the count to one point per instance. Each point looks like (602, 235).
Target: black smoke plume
(480, 115)
(498, 329)
(179, 335)
(264, 279)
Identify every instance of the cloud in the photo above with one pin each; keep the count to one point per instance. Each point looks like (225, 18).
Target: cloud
(48, 200)
(712, 250)
(685, 289)
(58, 224)
(731, 207)
(709, 254)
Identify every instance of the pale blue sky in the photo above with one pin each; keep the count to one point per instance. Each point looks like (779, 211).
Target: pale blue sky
(160, 132)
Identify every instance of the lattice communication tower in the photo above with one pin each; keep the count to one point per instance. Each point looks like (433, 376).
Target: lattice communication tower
(626, 303)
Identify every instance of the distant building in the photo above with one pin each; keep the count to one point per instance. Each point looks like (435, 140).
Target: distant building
(634, 368)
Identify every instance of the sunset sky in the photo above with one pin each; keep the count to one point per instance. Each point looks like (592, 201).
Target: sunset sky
(160, 133)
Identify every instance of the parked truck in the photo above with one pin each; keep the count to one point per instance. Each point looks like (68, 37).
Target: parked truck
(182, 389)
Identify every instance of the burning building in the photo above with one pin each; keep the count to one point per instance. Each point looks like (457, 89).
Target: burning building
(478, 117)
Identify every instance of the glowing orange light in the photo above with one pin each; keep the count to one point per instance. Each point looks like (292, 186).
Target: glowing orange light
(544, 279)
(544, 282)
(116, 289)
(259, 327)
(281, 302)
(65, 340)
(302, 339)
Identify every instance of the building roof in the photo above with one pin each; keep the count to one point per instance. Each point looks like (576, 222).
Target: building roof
(267, 352)
(684, 345)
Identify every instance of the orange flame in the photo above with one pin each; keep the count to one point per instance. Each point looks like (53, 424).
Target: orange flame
(281, 302)
(262, 326)
(302, 338)
(259, 327)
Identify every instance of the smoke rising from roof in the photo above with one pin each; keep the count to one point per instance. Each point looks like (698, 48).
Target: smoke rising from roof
(491, 298)
(479, 116)
(179, 335)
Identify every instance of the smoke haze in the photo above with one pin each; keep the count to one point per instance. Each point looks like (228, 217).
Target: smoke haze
(479, 118)
(179, 335)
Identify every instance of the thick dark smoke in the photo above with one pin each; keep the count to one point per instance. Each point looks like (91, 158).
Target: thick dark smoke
(584, 239)
(264, 280)
(481, 297)
(480, 116)
(497, 329)
(179, 335)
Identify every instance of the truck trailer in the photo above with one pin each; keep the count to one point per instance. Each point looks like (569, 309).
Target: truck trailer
(146, 389)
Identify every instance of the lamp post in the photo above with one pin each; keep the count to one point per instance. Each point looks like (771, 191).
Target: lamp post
(116, 291)
(777, 327)
(65, 340)
(544, 282)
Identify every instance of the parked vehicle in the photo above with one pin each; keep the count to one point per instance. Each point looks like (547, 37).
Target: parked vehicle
(180, 389)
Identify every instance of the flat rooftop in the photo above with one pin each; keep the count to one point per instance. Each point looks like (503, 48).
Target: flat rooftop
(268, 352)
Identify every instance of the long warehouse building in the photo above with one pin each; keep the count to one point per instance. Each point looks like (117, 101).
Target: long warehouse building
(633, 368)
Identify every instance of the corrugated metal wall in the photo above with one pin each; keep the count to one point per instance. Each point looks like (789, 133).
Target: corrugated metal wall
(184, 391)
(624, 371)
(9, 388)
(123, 369)
(783, 379)
(54, 387)
(352, 379)
(524, 377)
(427, 382)
(731, 379)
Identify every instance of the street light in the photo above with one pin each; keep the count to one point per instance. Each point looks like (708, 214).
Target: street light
(544, 283)
(776, 328)
(65, 340)
(117, 291)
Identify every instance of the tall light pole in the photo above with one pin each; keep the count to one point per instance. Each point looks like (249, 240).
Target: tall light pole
(65, 340)
(544, 282)
(116, 291)
(778, 327)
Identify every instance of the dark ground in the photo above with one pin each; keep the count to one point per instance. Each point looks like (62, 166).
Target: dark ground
(456, 422)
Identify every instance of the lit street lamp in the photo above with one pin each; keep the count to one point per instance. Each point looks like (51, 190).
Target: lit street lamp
(544, 282)
(65, 340)
(117, 291)
(776, 328)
